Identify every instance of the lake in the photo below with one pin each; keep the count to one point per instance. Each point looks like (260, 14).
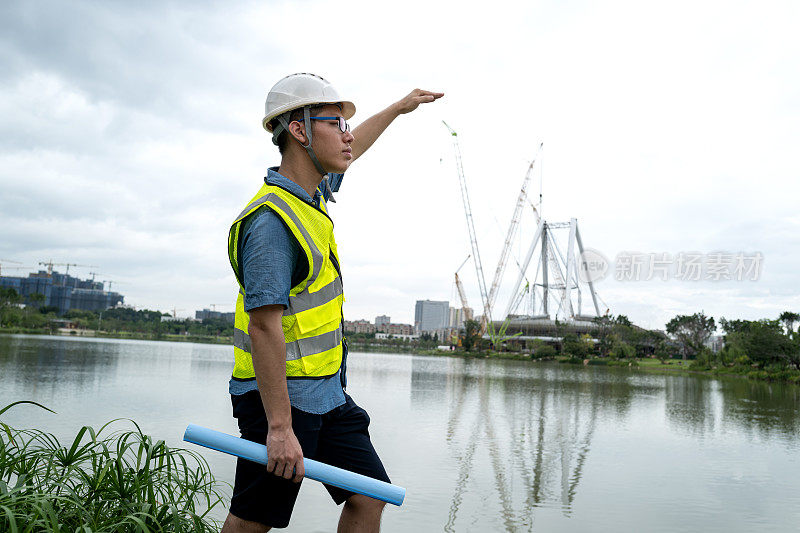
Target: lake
(479, 444)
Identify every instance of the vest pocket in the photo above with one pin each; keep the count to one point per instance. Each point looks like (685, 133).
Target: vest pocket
(319, 318)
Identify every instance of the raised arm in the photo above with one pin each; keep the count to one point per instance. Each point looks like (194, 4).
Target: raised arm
(368, 131)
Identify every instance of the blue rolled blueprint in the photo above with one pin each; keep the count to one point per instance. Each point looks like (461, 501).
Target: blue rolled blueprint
(338, 477)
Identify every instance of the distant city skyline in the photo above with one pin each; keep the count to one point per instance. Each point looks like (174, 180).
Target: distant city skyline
(452, 317)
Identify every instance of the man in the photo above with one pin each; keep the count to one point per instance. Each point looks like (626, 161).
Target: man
(288, 381)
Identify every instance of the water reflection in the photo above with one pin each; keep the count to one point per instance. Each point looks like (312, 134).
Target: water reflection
(691, 404)
(40, 363)
(481, 445)
(703, 406)
(761, 408)
(210, 360)
(520, 435)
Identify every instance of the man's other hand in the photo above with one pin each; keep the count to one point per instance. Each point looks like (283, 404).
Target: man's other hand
(285, 457)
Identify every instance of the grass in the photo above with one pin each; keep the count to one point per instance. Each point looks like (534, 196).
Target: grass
(120, 482)
(668, 364)
(136, 335)
(671, 366)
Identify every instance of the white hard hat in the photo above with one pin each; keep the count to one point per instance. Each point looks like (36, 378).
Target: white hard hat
(302, 89)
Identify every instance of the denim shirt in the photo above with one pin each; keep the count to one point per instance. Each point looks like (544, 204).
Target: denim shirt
(271, 265)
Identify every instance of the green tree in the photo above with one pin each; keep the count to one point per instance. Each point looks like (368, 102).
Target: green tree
(765, 342)
(733, 353)
(734, 326)
(666, 349)
(575, 346)
(691, 331)
(9, 314)
(623, 320)
(8, 297)
(542, 350)
(762, 341)
(622, 350)
(34, 320)
(789, 318)
(12, 317)
(637, 338)
(37, 299)
(646, 342)
(472, 334)
(603, 333)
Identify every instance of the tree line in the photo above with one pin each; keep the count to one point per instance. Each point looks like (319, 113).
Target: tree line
(142, 322)
(767, 344)
(767, 348)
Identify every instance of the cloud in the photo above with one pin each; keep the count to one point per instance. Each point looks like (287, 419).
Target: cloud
(131, 136)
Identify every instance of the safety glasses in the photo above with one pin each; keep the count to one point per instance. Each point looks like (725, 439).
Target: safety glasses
(343, 125)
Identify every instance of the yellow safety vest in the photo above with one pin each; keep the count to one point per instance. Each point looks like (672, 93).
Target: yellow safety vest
(312, 325)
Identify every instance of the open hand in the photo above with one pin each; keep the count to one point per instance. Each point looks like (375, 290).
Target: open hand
(414, 98)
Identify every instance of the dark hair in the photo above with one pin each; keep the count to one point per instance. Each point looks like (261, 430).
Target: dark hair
(296, 114)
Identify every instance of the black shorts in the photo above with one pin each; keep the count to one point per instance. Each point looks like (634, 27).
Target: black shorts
(339, 438)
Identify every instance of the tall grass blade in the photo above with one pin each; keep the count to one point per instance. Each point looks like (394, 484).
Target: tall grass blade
(102, 482)
(9, 406)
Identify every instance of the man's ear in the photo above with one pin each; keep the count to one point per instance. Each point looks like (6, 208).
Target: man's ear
(297, 129)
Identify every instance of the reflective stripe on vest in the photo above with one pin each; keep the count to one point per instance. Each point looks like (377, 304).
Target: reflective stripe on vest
(312, 325)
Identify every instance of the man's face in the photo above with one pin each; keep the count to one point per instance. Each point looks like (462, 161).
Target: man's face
(330, 144)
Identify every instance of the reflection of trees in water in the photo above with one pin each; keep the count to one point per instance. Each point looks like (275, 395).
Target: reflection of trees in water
(208, 360)
(690, 403)
(764, 408)
(50, 362)
(700, 405)
(531, 432)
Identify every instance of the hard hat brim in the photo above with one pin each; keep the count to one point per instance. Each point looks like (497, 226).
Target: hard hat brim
(348, 109)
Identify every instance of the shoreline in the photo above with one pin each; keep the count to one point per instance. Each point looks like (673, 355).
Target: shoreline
(652, 366)
(124, 335)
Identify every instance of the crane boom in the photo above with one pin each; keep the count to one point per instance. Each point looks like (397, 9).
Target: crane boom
(461, 294)
(15, 262)
(460, 287)
(50, 264)
(512, 230)
(487, 311)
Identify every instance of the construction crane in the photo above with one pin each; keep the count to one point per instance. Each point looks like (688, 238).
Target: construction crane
(109, 281)
(8, 261)
(18, 268)
(512, 230)
(460, 288)
(487, 311)
(50, 264)
(550, 264)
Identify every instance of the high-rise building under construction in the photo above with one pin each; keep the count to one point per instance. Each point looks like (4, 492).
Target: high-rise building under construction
(62, 291)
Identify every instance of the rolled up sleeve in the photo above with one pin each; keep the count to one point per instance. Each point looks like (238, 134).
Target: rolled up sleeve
(269, 257)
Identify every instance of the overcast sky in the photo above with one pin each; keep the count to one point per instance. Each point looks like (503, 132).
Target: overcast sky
(131, 136)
